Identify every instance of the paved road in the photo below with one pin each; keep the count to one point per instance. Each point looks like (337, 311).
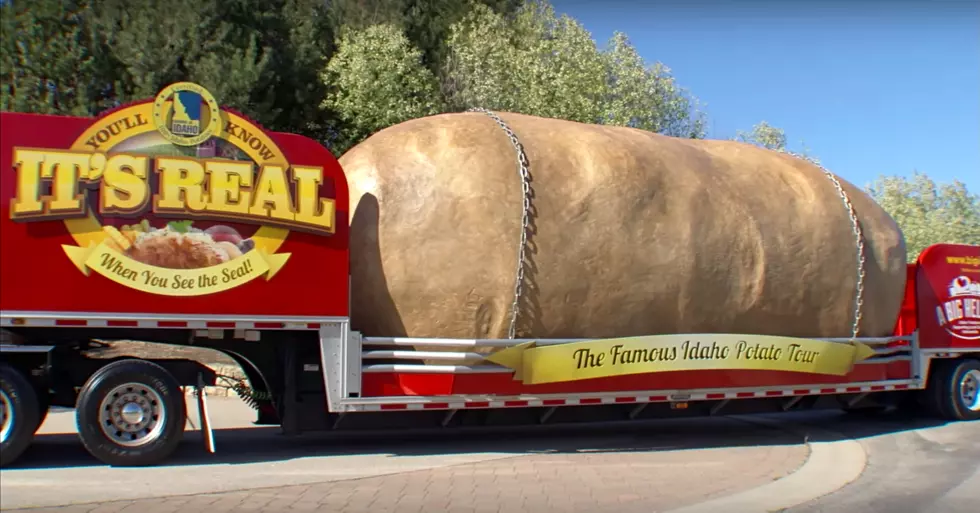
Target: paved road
(920, 467)
(912, 467)
(635, 467)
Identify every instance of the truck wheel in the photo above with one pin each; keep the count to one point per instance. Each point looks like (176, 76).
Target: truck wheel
(131, 413)
(19, 411)
(955, 390)
(43, 407)
(42, 415)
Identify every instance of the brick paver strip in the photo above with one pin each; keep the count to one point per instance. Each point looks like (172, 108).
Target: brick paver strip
(585, 482)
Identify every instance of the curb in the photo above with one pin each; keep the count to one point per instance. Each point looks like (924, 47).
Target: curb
(834, 461)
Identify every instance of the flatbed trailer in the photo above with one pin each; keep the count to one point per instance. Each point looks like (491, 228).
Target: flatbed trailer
(119, 194)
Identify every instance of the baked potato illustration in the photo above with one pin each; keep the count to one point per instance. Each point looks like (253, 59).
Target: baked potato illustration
(178, 245)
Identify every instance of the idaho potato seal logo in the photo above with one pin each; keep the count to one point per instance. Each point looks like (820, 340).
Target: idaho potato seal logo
(959, 313)
(186, 114)
(150, 210)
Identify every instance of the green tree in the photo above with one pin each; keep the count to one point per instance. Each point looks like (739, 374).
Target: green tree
(645, 97)
(376, 79)
(772, 138)
(764, 135)
(49, 61)
(228, 47)
(542, 64)
(536, 64)
(361, 14)
(301, 41)
(929, 213)
(426, 23)
(478, 69)
(76, 57)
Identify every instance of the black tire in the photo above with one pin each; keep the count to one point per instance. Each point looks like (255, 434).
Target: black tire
(944, 397)
(25, 410)
(43, 405)
(171, 406)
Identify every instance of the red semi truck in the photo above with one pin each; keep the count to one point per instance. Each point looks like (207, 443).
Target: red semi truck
(177, 221)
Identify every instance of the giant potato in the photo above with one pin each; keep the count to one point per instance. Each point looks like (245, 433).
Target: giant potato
(634, 233)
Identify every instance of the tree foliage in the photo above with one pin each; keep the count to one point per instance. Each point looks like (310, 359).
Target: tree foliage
(536, 64)
(929, 213)
(377, 79)
(342, 69)
(772, 138)
(647, 98)
(78, 57)
(49, 61)
(426, 23)
(764, 135)
(289, 64)
(547, 65)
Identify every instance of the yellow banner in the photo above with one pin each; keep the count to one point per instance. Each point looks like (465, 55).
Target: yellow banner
(534, 364)
(126, 271)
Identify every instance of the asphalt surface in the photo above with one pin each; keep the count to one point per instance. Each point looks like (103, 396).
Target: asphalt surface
(614, 467)
(905, 465)
(913, 466)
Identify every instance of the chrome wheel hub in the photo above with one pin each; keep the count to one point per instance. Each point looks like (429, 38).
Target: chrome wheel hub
(132, 415)
(6, 416)
(969, 386)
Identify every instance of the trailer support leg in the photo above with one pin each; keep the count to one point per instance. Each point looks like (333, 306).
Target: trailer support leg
(340, 417)
(792, 402)
(449, 416)
(715, 408)
(856, 399)
(547, 414)
(637, 409)
(202, 414)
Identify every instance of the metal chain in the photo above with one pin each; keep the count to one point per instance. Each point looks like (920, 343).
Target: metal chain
(859, 241)
(522, 164)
